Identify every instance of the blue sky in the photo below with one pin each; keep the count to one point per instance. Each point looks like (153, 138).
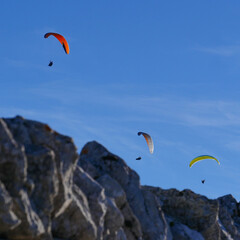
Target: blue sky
(169, 68)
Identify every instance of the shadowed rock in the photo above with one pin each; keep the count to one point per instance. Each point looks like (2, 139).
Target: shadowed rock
(95, 196)
(183, 232)
(48, 191)
(94, 154)
(13, 174)
(193, 210)
(229, 215)
(113, 190)
(8, 220)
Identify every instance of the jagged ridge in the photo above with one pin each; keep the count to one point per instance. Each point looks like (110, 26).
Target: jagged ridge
(49, 191)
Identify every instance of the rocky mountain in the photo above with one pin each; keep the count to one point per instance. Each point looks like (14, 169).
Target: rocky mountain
(49, 191)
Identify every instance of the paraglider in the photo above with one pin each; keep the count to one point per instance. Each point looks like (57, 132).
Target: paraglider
(50, 63)
(139, 158)
(61, 39)
(200, 158)
(148, 140)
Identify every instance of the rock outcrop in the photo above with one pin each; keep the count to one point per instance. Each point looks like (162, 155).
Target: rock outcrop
(49, 191)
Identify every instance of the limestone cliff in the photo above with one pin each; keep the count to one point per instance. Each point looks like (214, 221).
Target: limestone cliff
(49, 191)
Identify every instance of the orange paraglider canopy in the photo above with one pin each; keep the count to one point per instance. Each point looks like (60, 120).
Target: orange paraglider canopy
(61, 39)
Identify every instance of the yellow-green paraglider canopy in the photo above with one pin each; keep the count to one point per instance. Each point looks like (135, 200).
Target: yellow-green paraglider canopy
(202, 157)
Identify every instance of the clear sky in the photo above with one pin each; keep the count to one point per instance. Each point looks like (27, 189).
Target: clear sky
(168, 68)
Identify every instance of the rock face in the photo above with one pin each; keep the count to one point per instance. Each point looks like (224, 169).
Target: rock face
(49, 191)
